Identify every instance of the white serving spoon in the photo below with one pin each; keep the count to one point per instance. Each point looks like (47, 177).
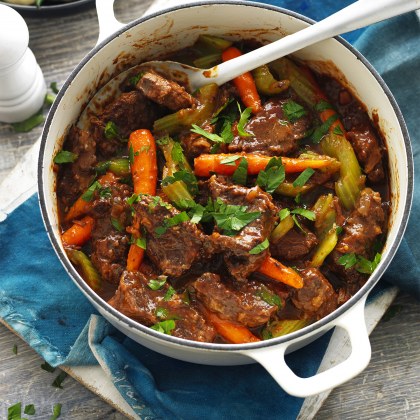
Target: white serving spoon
(355, 16)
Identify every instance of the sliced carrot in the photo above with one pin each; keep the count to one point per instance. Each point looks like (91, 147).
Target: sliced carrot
(234, 333)
(79, 233)
(245, 83)
(204, 164)
(144, 170)
(144, 164)
(277, 271)
(81, 206)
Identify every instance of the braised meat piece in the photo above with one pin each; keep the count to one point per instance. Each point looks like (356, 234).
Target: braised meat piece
(195, 144)
(273, 133)
(294, 245)
(239, 261)
(75, 178)
(172, 246)
(368, 152)
(135, 299)
(359, 128)
(364, 225)
(165, 92)
(129, 112)
(110, 242)
(317, 297)
(242, 304)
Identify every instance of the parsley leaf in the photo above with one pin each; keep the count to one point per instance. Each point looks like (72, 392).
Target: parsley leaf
(54, 87)
(15, 349)
(243, 120)
(322, 105)
(117, 224)
(321, 130)
(303, 178)
(226, 131)
(230, 160)
(272, 176)
(241, 173)
(361, 264)
(161, 313)
(337, 130)
(272, 299)
(283, 213)
(156, 284)
(211, 136)
(169, 293)
(185, 176)
(14, 412)
(135, 79)
(260, 247)
(59, 379)
(308, 214)
(56, 412)
(172, 221)
(111, 130)
(293, 111)
(29, 409)
(131, 155)
(64, 156)
(177, 154)
(140, 242)
(164, 327)
(89, 193)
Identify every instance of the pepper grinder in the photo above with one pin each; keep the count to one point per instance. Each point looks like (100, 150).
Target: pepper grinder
(22, 84)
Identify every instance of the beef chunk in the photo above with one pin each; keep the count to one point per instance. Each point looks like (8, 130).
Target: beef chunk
(165, 92)
(236, 248)
(316, 298)
(273, 133)
(294, 245)
(137, 300)
(242, 304)
(129, 112)
(109, 245)
(195, 144)
(363, 226)
(368, 152)
(175, 249)
(76, 177)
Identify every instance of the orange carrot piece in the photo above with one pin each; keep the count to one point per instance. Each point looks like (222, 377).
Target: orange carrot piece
(144, 165)
(277, 271)
(79, 233)
(234, 333)
(205, 164)
(144, 172)
(81, 206)
(244, 83)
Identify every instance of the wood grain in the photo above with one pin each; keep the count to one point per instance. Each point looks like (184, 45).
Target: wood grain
(387, 389)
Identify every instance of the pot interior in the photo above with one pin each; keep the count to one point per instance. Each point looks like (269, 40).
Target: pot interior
(173, 30)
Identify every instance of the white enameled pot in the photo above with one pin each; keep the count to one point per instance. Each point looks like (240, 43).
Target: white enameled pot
(170, 30)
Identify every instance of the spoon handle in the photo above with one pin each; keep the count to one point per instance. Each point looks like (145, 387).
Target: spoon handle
(357, 15)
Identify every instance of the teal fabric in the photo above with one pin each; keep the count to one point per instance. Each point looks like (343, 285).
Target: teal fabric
(40, 302)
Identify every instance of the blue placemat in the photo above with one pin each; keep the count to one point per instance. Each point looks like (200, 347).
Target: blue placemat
(157, 386)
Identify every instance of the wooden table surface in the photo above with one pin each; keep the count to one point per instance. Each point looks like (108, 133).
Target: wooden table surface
(387, 389)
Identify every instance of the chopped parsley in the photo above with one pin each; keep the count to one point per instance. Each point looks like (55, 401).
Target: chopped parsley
(54, 87)
(267, 296)
(89, 193)
(240, 175)
(230, 160)
(226, 131)
(111, 130)
(361, 264)
(164, 327)
(140, 242)
(15, 349)
(117, 224)
(162, 313)
(105, 192)
(59, 379)
(293, 111)
(322, 106)
(169, 293)
(157, 284)
(272, 176)
(323, 129)
(308, 214)
(64, 156)
(56, 412)
(211, 136)
(185, 176)
(243, 120)
(131, 155)
(283, 213)
(29, 409)
(337, 130)
(135, 79)
(14, 412)
(46, 366)
(303, 178)
(260, 247)
(177, 154)
(29, 124)
(172, 221)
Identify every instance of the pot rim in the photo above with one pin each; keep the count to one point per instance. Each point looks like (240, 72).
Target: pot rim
(310, 329)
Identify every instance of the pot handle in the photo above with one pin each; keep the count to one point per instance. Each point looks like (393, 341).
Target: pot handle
(108, 24)
(272, 358)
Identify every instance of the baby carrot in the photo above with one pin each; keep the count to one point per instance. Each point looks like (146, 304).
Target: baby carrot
(205, 164)
(79, 233)
(245, 83)
(142, 152)
(277, 271)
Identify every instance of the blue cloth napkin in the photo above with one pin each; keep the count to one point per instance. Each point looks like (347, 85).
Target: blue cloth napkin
(40, 302)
